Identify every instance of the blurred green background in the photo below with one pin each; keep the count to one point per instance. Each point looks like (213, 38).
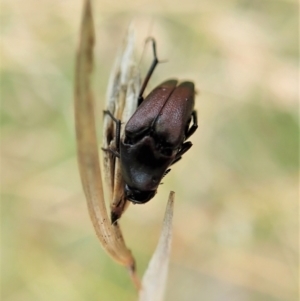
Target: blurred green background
(236, 212)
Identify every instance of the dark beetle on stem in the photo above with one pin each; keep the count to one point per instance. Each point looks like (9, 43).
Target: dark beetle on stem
(155, 135)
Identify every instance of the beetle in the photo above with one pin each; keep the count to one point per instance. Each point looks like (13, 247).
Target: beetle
(155, 135)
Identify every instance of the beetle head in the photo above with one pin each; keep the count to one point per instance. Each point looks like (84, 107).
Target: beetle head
(137, 196)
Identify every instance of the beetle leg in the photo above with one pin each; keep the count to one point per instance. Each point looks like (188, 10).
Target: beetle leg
(150, 71)
(118, 132)
(176, 160)
(194, 127)
(185, 147)
(166, 172)
(114, 152)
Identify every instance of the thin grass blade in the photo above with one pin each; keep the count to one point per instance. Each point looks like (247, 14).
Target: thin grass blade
(155, 277)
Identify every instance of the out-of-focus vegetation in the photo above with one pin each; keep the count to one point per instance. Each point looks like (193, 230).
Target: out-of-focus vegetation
(236, 212)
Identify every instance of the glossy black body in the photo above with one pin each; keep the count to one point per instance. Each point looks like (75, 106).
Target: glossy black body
(155, 138)
(155, 135)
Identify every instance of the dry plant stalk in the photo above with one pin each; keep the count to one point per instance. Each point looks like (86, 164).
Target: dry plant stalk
(121, 102)
(87, 148)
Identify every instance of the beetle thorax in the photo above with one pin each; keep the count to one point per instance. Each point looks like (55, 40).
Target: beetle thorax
(143, 165)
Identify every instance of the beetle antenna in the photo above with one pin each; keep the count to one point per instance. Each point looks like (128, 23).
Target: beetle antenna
(150, 71)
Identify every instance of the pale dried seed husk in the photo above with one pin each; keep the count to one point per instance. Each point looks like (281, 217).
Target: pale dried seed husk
(121, 101)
